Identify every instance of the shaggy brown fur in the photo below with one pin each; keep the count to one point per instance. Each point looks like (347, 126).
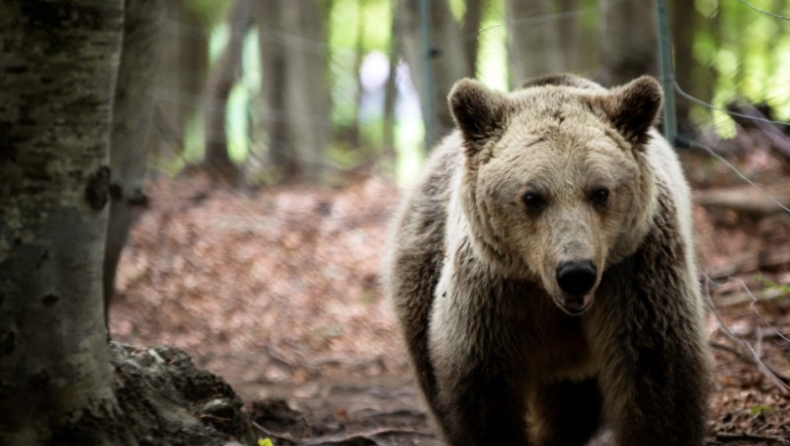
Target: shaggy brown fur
(509, 349)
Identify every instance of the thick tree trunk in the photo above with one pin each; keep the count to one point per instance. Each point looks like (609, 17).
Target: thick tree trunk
(447, 56)
(61, 383)
(226, 72)
(534, 40)
(59, 64)
(628, 40)
(131, 128)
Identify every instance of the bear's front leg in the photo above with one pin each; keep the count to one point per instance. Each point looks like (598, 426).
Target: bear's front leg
(657, 397)
(477, 405)
(655, 376)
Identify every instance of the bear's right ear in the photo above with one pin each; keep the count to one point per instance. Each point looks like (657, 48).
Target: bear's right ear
(479, 113)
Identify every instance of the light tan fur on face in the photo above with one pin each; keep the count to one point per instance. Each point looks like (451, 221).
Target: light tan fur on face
(555, 145)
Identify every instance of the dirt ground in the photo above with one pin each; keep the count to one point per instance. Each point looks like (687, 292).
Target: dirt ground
(276, 290)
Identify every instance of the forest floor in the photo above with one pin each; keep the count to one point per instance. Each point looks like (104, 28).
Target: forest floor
(277, 291)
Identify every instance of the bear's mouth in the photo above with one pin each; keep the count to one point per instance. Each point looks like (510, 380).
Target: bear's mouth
(575, 305)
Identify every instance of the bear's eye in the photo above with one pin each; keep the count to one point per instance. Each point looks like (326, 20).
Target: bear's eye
(599, 196)
(534, 202)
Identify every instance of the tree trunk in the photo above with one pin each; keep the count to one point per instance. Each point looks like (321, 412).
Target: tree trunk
(180, 79)
(587, 60)
(59, 64)
(534, 40)
(391, 95)
(131, 128)
(628, 40)
(61, 383)
(447, 56)
(227, 71)
(354, 137)
(684, 23)
(472, 19)
(267, 15)
(295, 86)
(707, 76)
(308, 88)
(569, 35)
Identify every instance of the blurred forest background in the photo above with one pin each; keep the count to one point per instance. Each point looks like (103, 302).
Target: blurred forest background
(257, 150)
(264, 91)
(282, 130)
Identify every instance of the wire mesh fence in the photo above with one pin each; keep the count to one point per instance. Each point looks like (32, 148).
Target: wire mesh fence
(309, 233)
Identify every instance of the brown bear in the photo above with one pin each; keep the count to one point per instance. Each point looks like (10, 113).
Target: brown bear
(544, 275)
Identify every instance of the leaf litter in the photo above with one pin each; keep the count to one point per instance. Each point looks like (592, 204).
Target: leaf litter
(277, 291)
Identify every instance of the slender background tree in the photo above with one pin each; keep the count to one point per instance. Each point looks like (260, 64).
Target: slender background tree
(226, 72)
(130, 140)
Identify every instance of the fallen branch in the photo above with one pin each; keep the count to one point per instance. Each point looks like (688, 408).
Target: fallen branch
(745, 200)
(748, 298)
(750, 262)
(725, 437)
(781, 382)
(751, 360)
(754, 118)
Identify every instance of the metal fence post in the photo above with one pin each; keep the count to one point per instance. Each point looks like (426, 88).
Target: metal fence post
(667, 73)
(426, 48)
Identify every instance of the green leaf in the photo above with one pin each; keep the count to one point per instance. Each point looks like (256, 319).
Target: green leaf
(761, 409)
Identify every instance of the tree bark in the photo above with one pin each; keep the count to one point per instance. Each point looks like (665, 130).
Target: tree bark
(131, 128)
(447, 56)
(295, 86)
(471, 27)
(308, 89)
(180, 79)
(227, 71)
(273, 55)
(61, 382)
(569, 35)
(354, 137)
(59, 65)
(391, 95)
(628, 41)
(684, 23)
(534, 40)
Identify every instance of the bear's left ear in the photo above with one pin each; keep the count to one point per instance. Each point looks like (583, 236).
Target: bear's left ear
(633, 108)
(478, 112)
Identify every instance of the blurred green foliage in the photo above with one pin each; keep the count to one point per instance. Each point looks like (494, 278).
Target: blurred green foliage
(210, 12)
(738, 53)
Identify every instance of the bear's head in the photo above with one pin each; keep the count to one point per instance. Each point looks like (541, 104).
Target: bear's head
(557, 185)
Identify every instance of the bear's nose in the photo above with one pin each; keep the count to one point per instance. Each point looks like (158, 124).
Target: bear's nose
(577, 277)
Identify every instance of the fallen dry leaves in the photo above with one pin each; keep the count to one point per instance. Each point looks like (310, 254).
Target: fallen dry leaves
(277, 289)
(275, 286)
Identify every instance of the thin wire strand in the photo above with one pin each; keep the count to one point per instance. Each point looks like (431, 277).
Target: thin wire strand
(691, 98)
(705, 147)
(761, 11)
(756, 355)
(541, 18)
